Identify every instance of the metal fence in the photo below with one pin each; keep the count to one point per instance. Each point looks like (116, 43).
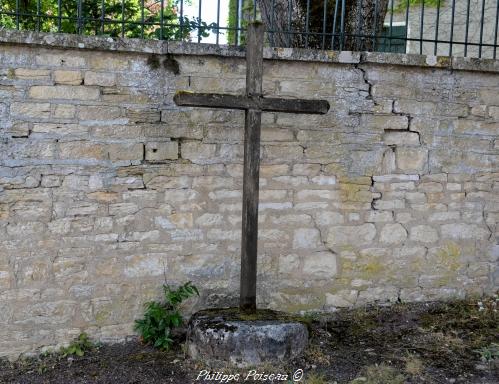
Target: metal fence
(437, 27)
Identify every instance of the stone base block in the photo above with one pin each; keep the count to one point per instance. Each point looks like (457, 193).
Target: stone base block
(245, 340)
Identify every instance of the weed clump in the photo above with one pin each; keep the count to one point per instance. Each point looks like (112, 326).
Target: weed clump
(161, 317)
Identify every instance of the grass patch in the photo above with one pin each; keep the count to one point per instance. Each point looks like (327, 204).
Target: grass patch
(380, 374)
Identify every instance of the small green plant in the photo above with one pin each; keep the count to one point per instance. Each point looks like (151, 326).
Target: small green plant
(490, 353)
(78, 347)
(161, 317)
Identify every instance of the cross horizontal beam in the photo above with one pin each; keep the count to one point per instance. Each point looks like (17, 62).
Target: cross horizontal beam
(271, 104)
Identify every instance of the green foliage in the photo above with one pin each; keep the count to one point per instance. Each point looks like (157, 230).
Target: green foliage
(231, 22)
(78, 347)
(490, 353)
(246, 17)
(401, 5)
(116, 18)
(161, 317)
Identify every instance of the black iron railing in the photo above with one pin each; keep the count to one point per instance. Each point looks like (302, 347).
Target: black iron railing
(436, 27)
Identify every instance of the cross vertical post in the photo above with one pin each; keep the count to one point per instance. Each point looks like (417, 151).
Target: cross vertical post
(249, 237)
(253, 103)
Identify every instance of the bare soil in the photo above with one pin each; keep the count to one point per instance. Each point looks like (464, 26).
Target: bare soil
(403, 343)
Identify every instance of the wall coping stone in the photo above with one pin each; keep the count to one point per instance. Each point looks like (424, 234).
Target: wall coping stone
(71, 41)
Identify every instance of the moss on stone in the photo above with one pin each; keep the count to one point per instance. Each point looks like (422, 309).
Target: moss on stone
(449, 257)
(223, 315)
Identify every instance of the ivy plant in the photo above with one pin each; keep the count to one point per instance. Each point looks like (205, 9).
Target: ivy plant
(161, 317)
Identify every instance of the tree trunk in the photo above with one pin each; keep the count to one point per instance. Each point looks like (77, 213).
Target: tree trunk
(282, 16)
(364, 18)
(361, 17)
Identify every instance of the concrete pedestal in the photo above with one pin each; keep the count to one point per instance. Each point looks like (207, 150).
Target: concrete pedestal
(245, 340)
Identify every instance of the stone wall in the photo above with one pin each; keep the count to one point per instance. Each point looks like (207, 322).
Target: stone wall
(107, 188)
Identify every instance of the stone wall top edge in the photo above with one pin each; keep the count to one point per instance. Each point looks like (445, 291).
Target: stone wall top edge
(70, 41)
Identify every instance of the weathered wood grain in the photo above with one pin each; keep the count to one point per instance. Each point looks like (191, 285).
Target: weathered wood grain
(271, 104)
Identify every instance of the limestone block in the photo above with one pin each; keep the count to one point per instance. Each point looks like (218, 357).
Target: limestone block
(143, 115)
(328, 218)
(306, 169)
(134, 151)
(479, 110)
(289, 263)
(379, 216)
(32, 74)
(415, 197)
(452, 109)
(273, 170)
(320, 265)
(494, 112)
(209, 220)
(273, 134)
(389, 205)
(400, 138)
(462, 231)
(393, 234)
(146, 265)
(423, 234)
(414, 107)
(81, 150)
(445, 216)
(68, 77)
(323, 180)
(64, 111)
(351, 235)
(477, 127)
(59, 129)
(159, 151)
(223, 235)
(454, 187)
(321, 136)
(104, 79)
(103, 61)
(411, 159)
(306, 238)
(37, 110)
(98, 113)
(25, 229)
(291, 220)
(36, 150)
(64, 92)
(283, 152)
(431, 187)
(120, 209)
(317, 194)
(198, 152)
(103, 196)
(67, 59)
(395, 178)
(384, 122)
(20, 130)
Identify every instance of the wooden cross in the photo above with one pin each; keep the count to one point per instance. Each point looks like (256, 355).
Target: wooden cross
(253, 103)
